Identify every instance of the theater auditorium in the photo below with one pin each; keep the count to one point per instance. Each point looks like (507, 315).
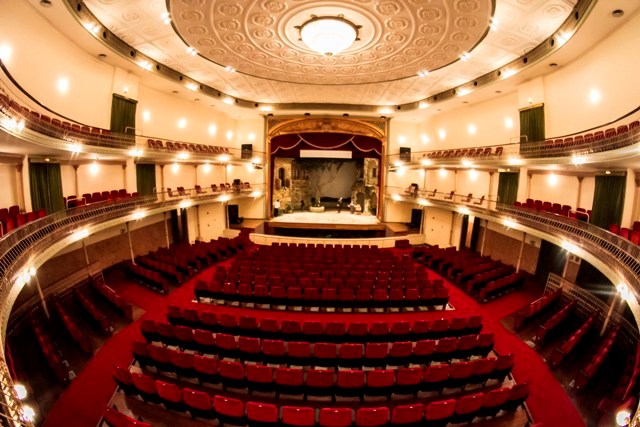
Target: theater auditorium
(321, 213)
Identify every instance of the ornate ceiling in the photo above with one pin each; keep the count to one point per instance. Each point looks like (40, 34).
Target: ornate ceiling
(398, 40)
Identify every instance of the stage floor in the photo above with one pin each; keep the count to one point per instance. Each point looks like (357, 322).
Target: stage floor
(327, 217)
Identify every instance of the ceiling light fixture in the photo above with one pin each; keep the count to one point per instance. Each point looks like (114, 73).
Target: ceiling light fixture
(328, 35)
(423, 73)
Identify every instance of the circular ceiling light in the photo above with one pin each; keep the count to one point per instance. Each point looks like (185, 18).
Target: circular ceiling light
(328, 35)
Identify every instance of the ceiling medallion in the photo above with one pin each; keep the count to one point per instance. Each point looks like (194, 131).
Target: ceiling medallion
(328, 35)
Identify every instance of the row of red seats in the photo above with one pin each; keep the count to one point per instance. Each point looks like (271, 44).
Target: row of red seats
(556, 208)
(158, 144)
(62, 129)
(501, 286)
(114, 418)
(74, 329)
(631, 234)
(451, 265)
(468, 271)
(11, 218)
(300, 254)
(288, 279)
(535, 308)
(559, 353)
(587, 373)
(399, 353)
(98, 316)
(232, 411)
(314, 331)
(51, 353)
(608, 139)
(321, 245)
(420, 252)
(465, 152)
(555, 320)
(167, 270)
(320, 270)
(481, 280)
(365, 298)
(97, 197)
(111, 295)
(321, 382)
(149, 278)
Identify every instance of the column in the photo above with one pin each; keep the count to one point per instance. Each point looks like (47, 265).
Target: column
(26, 195)
(524, 236)
(75, 180)
(166, 228)
(523, 185)
(490, 192)
(579, 191)
(130, 243)
(20, 187)
(629, 199)
(160, 188)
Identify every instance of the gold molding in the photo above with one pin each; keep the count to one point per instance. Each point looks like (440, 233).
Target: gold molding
(372, 127)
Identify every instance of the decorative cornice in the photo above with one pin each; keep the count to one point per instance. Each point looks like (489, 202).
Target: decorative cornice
(375, 128)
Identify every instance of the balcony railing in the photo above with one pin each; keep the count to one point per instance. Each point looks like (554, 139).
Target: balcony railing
(620, 256)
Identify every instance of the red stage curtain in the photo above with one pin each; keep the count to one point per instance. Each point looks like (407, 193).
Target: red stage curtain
(360, 146)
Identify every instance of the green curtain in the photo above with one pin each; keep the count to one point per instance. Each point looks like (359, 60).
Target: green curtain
(508, 187)
(45, 182)
(532, 124)
(145, 179)
(608, 200)
(123, 114)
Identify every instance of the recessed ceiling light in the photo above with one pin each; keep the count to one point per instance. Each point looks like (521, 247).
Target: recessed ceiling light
(102, 56)
(45, 3)
(174, 91)
(616, 13)
(553, 65)
(498, 91)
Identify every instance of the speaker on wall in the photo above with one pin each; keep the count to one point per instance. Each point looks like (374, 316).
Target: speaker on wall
(405, 154)
(247, 151)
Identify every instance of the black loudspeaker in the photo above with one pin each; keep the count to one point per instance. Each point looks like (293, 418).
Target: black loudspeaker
(416, 218)
(405, 154)
(233, 214)
(247, 151)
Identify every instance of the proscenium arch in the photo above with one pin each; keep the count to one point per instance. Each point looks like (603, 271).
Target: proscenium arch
(372, 127)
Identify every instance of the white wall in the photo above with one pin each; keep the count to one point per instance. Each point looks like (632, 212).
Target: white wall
(68, 181)
(437, 226)
(8, 178)
(41, 58)
(403, 134)
(184, 175)
(105, 178)
(212, 220)
(565, 191)
(610, 68)
(473, 182)
(487, 117)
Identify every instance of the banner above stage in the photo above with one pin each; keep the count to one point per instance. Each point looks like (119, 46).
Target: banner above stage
(359, 146)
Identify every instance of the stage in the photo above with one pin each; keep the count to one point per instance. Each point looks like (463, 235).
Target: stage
(326, 224)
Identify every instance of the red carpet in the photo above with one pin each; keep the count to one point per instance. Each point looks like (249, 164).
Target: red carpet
(91, 391)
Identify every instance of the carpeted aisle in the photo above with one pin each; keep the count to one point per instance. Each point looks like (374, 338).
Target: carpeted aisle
(82, 403)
